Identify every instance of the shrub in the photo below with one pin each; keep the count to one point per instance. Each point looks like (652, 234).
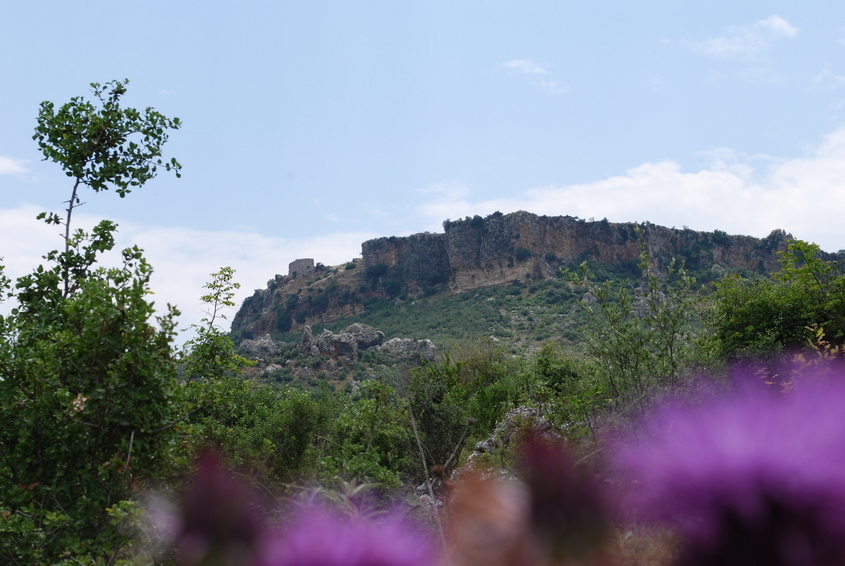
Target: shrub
(522, 254)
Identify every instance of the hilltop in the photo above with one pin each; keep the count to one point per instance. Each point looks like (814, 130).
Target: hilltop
(475, 253)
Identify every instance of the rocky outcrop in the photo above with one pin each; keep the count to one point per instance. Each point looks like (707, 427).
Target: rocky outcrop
(337, 345)
(365, 336)
(413, 264)
(479, 252)
(308, 344)
(517, 422)
(501, 248)
(408, 348)
(344, 344)
(261, 348)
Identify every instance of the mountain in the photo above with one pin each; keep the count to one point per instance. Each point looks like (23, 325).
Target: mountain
(481, 252)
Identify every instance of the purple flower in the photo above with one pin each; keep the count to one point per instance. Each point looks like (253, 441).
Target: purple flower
(320, 538)
(758, 478)
(567, 512)
(220, 519)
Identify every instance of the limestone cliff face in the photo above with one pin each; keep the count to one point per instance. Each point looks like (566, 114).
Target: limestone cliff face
(415, 262)
(479, 252)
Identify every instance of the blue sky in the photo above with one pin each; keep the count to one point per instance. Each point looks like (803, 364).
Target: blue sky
(312, 126)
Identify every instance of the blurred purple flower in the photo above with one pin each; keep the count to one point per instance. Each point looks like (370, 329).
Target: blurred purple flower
(567, 512)
(755, 479)
(219, 519)
(320, 538)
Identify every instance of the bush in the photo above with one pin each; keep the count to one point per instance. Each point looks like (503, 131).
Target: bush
(721, 238)
(765, 317)
(264, 432)
(522, 254)
(86, 399)
(371, 438)
(373, 273)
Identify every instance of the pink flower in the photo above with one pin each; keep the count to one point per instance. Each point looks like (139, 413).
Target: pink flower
(758, 478)
(220, 519)
(320, 538)
(567, 513)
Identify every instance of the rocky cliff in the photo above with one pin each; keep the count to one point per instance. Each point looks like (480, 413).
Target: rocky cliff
(479, 252)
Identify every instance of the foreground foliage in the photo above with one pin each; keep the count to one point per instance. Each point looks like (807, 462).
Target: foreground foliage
(87, 381)
(86, 400)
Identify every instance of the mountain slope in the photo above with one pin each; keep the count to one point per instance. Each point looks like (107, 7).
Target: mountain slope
(476, 253)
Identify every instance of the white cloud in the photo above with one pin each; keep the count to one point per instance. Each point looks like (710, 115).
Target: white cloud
(529, 67)
(777, 26)
(829, 79)
(182, 259)
(553, 86)
(747, 42)
(526, 67)
(749, 195)
(9, 166)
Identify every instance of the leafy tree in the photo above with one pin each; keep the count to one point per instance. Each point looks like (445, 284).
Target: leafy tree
(762, 318)
(561, 373)
(211, 354)
(86, 380)
(370, 438)
(101, 147)
(479, 387)
(574, 397)
(641, 340)
(440, 420)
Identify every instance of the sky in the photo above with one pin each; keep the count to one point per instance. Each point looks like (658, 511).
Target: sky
(312, 126)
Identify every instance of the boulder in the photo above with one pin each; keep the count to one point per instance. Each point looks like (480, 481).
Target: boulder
(337, 345)
(308, 344)
(260, 348)
(270, 369)
(409, 348)
(365, 336)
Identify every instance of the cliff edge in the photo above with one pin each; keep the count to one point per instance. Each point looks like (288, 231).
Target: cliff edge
(479, 252)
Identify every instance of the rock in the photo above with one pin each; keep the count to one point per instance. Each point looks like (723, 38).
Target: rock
(260, 348)
(336, 345)
(365, 336)
(501, 248)
(270, 369)
(409, 348)
(308, 344)
(480, 252)
(515, 420)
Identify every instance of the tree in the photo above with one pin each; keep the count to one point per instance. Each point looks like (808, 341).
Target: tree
(641, 340)
(86, 379)
(211, 354)
(102, 148)
(763, 318)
